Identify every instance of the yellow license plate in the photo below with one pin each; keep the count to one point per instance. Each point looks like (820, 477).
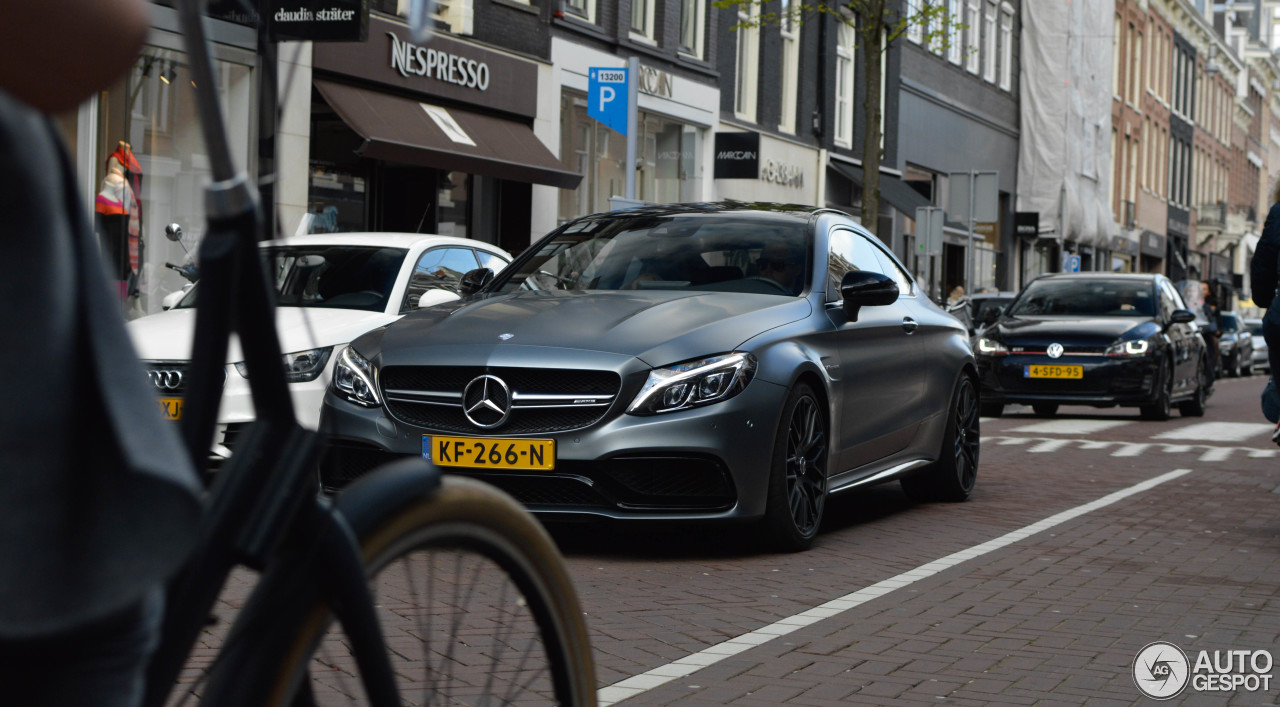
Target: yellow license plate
(490, 453)
(171, 408)
(1054, 372)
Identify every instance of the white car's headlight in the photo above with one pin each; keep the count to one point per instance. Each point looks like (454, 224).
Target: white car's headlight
(694, 383)
(353, 378)
(299, 366)
(1133, 347)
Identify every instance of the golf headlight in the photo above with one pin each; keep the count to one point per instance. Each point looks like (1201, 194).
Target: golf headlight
(990, 347)
(694, 383)
(1133, 347)
(300, 366)
(353, 378)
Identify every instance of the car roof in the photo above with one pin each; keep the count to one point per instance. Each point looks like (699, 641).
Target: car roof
(1137, 276)
(737, 208)
(382, 239)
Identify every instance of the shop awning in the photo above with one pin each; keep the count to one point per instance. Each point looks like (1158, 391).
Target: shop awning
(404, 130)
(898, 193)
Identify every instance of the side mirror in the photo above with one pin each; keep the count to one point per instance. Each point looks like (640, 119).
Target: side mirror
(474, 280)
(863, 288)
(435, 296)
(173, 232)
(1182, 316)
(992, 314)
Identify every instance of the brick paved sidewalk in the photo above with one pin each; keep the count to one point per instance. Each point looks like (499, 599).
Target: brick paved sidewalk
(1054, 619)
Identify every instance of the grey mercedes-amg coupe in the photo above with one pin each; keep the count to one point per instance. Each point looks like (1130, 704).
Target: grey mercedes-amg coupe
(689, 362)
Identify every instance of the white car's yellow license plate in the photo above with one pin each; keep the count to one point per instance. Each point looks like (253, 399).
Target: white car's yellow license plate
(490, 453)
(171, 408)
(1054, 372)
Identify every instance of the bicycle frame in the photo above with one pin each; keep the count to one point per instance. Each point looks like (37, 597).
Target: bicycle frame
(264, 510)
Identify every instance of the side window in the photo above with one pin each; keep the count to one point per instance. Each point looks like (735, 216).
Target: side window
(491, 261)
(1169, 300)
(890, 267)
(438, 269)
(847, 251)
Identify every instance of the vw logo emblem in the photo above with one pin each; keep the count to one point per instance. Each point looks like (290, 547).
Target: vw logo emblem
(165, 379)
(486, 401)
(504, 337)
(1054, 350)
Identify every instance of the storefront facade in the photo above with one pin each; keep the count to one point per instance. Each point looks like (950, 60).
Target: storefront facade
(140, 157)
(753, 166)
(673, 149)
(426, 139)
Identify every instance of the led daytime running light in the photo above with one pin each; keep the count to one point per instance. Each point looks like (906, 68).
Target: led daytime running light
(694, 383)
(353, 378)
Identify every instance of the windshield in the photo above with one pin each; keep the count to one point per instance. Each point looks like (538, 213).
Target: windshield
(339, 276)
(1087, 297)
(1229, 323)
(713, 252)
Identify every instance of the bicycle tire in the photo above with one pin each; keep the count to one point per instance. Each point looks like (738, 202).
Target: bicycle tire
(467, 514)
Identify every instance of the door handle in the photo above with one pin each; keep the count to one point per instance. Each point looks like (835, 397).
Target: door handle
(909, 325)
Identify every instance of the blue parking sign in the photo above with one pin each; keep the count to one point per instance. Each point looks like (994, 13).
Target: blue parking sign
(607, 97)
(1070, 262)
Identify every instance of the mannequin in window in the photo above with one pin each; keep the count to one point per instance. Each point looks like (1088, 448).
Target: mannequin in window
(118, 222)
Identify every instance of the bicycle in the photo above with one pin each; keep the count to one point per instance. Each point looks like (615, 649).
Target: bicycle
(317, 557)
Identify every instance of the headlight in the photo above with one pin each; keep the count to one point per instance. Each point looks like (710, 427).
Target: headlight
(300, 366)
(694, 383)
(353, 378)
(991, 347)
(1133, 347)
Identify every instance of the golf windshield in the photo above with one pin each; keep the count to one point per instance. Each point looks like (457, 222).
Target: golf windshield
(1086, 297)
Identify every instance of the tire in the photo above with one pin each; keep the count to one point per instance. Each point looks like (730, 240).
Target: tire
(991, 409)
(1234, 369)
(1196, 405)
(953, 476)
(527, 638)
(1162, 408)
(797, 491)
(1247, 369)
(1045, 409)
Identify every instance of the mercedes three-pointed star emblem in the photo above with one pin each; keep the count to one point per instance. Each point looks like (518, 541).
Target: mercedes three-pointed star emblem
(486, 401)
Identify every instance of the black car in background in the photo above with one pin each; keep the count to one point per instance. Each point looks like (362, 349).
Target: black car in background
(979, 309)
(1099, 339)
(1235, 346)
(716, 362)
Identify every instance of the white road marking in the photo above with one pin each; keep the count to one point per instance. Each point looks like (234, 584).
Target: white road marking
(1049, 445)
(1216, 454)
(1069, 426)
(689, 664)
(1130, 450)
(1218, 431)
(1262, 453)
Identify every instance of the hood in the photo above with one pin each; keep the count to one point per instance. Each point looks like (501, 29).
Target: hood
(1046, 330)
(655, 326)
(166, 336)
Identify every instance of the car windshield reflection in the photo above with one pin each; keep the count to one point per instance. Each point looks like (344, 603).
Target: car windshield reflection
(1088, 298)
(341, 277)
(684, 252)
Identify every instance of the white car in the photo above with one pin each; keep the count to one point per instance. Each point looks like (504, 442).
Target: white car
(1261, 361)
(331, 289)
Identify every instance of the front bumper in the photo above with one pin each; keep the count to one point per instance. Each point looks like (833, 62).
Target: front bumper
(1106, 381)
(706, 463)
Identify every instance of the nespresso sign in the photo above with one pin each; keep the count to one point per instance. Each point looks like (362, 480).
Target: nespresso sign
(446, 68)
(438, 65)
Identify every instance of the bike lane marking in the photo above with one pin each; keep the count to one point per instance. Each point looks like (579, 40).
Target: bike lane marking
(638, 684)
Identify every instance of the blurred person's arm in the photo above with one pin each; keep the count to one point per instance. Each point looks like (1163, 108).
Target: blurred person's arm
(56, 53)
(1262, 269)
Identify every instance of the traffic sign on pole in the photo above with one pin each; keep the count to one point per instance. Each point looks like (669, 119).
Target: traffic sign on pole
(608, 96)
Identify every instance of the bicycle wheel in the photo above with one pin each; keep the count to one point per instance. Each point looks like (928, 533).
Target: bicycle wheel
(475, 604)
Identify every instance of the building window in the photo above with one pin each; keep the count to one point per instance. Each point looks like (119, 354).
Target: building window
(846, 41)
(1115, 58)
(1006, 47)
(748, 64)
(790, 66)
(1134, 89)
(973, 46)
(585, 9)
(642, 19)
(955, 47)
(691, 14)
(989, 42)
(915, 31)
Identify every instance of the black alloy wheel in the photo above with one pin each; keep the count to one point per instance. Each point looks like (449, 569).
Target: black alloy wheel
(1196, 405)
(954, 475)
(798, 480)
(1162, 408)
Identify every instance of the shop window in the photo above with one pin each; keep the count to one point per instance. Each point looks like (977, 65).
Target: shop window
(451, 204)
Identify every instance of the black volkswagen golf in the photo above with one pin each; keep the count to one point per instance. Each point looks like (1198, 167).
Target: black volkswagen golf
(1100, 339)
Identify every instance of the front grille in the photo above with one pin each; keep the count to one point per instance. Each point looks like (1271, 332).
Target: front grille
(344, 461)
(232, 434)
(542, 400)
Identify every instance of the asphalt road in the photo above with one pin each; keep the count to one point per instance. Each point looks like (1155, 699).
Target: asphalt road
(1090, 535)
